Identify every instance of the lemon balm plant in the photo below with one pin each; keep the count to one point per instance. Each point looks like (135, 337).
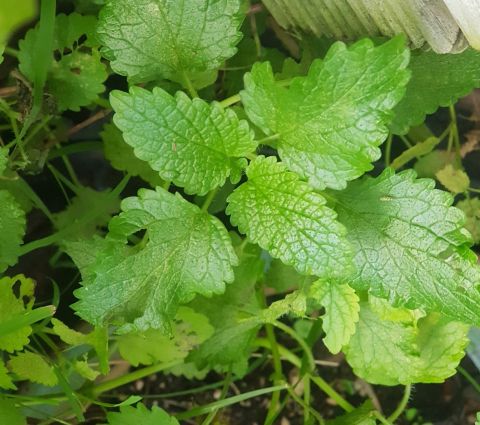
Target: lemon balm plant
(253, 174)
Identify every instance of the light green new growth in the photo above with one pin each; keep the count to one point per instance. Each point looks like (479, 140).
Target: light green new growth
(184, 252)
(471, 208)
(32, 367)
(331, 122)
(180, 40)
(194, 144)
(454, 179)
(341, 312)
(410, 246)
(287, 218)
(190, 329)
(12, 229)
(393, 352)
(14, 305)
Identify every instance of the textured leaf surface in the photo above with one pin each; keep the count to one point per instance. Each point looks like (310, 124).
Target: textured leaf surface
(341, 312)
(287, 218)
(410, 246)
(190, 329)
(331, 122)
(76, 80)
(13, 304)
(9, 414)
(471, 208)
(193, 144)
(33, 367)
(185, 252)
(12, 229)
(172, 39)
(122, 157)
(436, 81)
(140, 415)
(391, 352)
(3, 159)
(230, 343)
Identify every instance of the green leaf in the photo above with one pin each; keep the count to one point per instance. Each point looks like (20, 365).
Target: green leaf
(98, 339)
(363, 415)
(410, 246)
(12, 229)
(471, 208)
(436, 81)
(193, 144)
(190, 329)
(83, 369)
(76, 76)
(5, 381)
(390, 352)
(455, 180)
(331, 122)
(177, 40)
(122, 157)
(432, 163)
(33, 367)
(185, 252)
(442, 345)
(97, 206)
(229, 313)
(341, 312)
(284, 278)
(16, 298)
(76, 80)
(288, 219)
(9, 414)
(140, 415)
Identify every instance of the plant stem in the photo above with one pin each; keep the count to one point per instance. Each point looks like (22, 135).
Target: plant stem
(188, 85)
(11, 52)
(265, 140)
(327, 389)
(277, 371)
(211, 416)
(208, 200)
(388, 150)
(131, 377)
(229, 101)
(402, 405)
(469, 378)
(197, 411)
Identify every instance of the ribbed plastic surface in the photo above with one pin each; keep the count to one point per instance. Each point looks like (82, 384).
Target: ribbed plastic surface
(447, 26)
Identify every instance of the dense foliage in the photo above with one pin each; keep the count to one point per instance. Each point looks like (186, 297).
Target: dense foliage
(240, 210)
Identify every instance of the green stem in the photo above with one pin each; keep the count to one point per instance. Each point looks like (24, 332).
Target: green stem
(209, 199)
(277, 371)
(211, 416)
(307, 350)
(197, 411)
(229, 101)
(455, 135)
(11, 52)
(75, 148)
(388, 150)
(188, 85)
(271, 138)
(402, 405)
(36, 200)
(132, 376)
(327, 389)
(469, 378)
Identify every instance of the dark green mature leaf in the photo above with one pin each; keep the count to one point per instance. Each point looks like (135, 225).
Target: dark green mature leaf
(192, 143)
(331, 122)
(173, 39)
(410, 246)
(185, 251)
(12, 229)
(9, 414)
(140, 415)
(287, 218)
(437, 80)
